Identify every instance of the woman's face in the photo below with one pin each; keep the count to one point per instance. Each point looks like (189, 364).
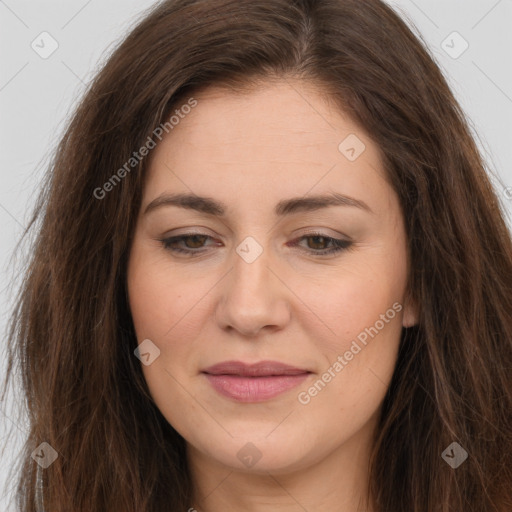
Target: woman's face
(277, 177)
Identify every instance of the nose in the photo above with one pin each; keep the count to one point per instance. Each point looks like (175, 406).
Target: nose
(253, 297)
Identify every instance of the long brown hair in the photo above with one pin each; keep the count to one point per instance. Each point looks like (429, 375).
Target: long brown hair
(72, 334)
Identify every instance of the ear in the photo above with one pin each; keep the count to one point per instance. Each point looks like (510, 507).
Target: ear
(411, 312)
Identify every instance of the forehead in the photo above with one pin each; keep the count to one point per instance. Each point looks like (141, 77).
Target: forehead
(290, 110)
(281, 138)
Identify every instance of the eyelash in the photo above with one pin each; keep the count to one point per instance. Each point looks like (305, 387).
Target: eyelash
(339, 245)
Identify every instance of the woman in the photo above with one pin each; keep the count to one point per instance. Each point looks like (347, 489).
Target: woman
(270, 274)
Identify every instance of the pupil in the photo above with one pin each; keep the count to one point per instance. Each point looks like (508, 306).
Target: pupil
(195, 238)
(316, 238)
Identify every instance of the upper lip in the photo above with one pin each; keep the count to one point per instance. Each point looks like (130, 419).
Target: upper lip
(259, 369)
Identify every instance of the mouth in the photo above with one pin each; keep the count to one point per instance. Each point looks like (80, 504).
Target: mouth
(254, 382)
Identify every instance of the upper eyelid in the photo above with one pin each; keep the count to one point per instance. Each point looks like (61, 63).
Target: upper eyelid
(309, 231)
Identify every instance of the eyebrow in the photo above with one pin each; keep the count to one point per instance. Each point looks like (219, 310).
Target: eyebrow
(285, 207)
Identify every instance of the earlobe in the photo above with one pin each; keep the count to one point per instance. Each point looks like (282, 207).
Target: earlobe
(411, 313)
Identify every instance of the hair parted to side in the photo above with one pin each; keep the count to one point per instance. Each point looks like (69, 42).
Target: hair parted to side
(71, 332)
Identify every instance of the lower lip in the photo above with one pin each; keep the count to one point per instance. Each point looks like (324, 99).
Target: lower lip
(254, 389)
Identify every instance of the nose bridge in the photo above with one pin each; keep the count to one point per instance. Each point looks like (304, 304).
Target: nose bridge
(252, 297)
(251, 267)
(251, 281)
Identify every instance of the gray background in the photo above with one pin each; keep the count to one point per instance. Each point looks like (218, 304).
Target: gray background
(37, 95)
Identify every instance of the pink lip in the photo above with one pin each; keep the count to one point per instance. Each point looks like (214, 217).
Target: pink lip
(254, 382)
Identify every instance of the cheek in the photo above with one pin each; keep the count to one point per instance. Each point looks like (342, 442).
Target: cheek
(354, 297)
(363, 307)
(161, 297)
(160, 303)
(358, 362)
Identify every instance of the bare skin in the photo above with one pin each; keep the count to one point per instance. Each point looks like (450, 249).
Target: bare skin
(299, 450)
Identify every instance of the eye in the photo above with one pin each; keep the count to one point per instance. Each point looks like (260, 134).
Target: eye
(192, 241)
(193, 244)
(320, 242)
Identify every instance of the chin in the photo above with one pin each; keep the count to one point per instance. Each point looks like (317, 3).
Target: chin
(260, 454)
